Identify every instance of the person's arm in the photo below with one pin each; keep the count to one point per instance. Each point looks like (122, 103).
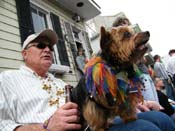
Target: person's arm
(163, 71)
(7, 122)
(149, 105)
(30, 127)
(141, 107)
(65, 118)
(153, 105)
(8, 113)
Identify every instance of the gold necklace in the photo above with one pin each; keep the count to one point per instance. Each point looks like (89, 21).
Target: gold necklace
(56, 93)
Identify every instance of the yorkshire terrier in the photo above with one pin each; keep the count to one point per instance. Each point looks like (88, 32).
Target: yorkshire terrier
(111, 85)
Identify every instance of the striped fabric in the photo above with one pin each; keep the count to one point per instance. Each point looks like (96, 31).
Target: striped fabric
(22, 99)
(171, 65)
(160, 70)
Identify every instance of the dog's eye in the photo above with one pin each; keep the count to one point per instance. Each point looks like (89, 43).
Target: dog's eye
(127, 34)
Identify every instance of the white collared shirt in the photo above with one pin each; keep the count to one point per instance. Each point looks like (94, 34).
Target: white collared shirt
(171, 65)
(23, 99)
(160, 70)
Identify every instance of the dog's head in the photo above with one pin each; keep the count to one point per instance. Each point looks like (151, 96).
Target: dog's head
(121, 46)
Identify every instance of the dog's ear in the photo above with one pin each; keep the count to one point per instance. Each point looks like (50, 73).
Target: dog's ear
(105, 38)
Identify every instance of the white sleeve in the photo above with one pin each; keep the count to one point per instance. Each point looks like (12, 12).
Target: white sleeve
(7, 122)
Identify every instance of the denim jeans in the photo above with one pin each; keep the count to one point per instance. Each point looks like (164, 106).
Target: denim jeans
(147, 121)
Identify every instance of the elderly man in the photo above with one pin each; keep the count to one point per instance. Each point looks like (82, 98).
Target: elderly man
(29, 96)
(31, 99)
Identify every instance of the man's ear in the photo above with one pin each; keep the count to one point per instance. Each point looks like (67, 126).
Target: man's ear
(105, 38)
(24, 54)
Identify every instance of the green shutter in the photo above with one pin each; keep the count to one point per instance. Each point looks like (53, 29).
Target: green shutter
(61, 43)
(25, 19)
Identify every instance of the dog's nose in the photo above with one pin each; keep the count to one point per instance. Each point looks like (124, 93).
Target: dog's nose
(147, 33)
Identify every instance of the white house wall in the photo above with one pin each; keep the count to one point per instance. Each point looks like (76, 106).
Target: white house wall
(10, 46)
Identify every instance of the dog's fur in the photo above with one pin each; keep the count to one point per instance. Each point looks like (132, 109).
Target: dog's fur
(120, 49)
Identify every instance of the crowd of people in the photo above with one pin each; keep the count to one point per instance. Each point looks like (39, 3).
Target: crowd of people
(32, 99)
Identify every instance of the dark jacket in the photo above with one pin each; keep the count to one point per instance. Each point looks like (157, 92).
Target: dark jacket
(163, 100)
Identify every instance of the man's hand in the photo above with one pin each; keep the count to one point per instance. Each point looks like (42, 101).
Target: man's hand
(149, 105)
(153, 105)
(65, 118)
(142, 107)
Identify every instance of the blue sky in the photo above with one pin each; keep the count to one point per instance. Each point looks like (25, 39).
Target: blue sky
(156, 16)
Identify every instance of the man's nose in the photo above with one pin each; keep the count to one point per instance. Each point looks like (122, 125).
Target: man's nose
(47, 49)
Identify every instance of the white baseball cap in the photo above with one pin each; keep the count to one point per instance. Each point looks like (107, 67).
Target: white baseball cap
(48, 33)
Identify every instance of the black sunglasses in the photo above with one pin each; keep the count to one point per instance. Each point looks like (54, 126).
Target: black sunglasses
(41, 45)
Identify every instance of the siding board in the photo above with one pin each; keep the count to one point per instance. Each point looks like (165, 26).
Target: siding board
(10, 54)
(8, 6)
(10, 45)
(9, 21)
(69, 77)
(8, 13)
(12, 2)
(4, 69)
(9, 28)
(10, 37)
(11, 64)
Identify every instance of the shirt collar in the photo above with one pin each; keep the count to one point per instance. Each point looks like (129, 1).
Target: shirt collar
(28, 70)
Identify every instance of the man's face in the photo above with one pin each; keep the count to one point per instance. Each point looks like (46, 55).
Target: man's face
(38, 54)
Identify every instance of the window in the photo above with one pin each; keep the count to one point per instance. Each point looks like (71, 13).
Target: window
(76, 33)
(24, 18)
(70, 39)
(69, 32)
(40, 22)
(39, 19)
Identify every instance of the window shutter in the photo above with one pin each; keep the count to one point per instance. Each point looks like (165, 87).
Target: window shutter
(69, 32)
(86, 37)
(71, 40)
(25, 19)
(74, 51)
(61, 43)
